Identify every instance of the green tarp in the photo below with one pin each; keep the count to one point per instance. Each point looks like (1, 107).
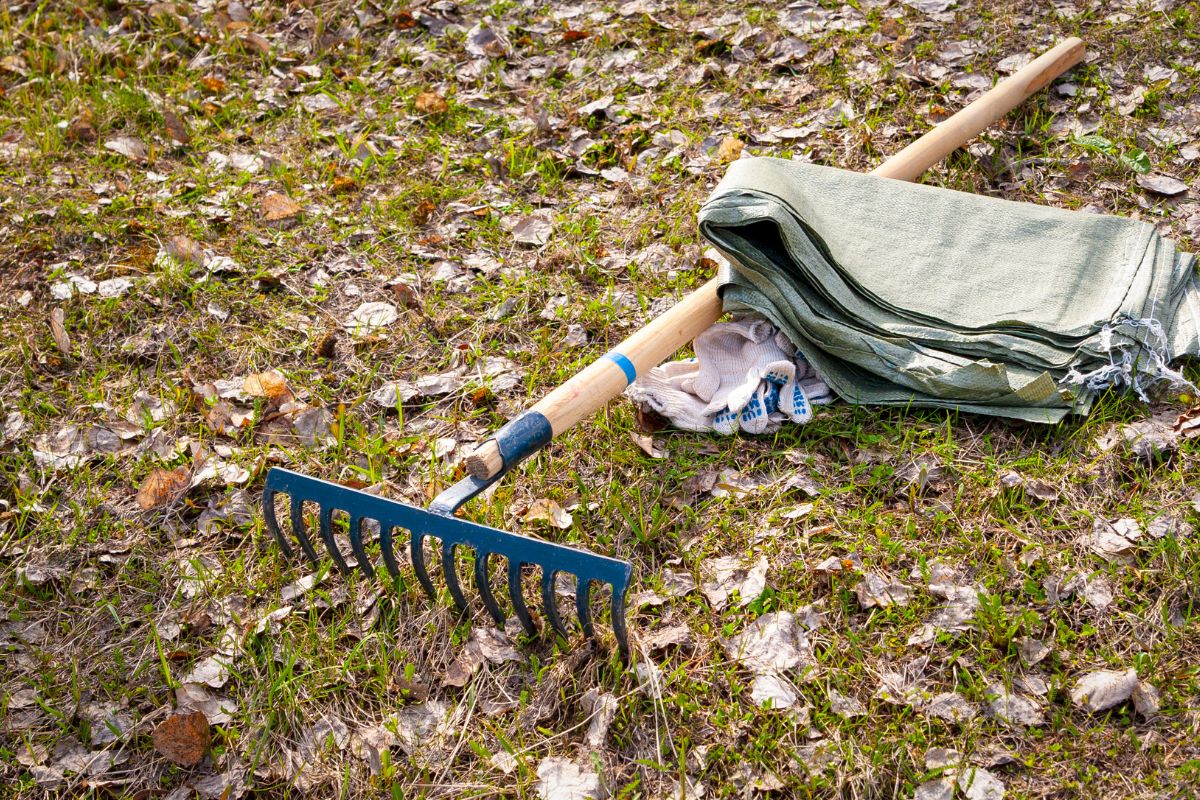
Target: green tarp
(905, 294)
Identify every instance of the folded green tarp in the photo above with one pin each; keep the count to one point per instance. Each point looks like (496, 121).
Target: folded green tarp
(904, 294)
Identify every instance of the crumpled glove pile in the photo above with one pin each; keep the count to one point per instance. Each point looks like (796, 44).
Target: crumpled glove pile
(747, 376)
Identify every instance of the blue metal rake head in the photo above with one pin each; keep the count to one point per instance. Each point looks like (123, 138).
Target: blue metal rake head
(517, 439)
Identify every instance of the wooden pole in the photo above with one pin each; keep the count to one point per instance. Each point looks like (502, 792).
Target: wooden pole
(593, 387)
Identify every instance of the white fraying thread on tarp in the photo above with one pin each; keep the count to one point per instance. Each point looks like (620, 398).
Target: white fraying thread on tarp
(1138, 363)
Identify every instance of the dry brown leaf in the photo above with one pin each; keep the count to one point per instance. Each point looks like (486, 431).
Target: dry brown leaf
(59, 331)
(1188, 424)
(270, 385)
(175, 128)
(343, 184)
(81, 129)
(185, 250)
(276, 207)
(183, 738)
(546, 510)
(212, 84)
(129, 146)
(431, 103)
(163, 487)
(730, 149)
(649, 446)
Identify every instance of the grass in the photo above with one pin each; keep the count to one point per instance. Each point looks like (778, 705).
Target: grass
(122, 604)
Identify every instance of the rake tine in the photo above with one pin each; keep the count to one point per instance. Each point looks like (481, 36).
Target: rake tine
(583, 592)
(327, 537)
(357, 546)
(301, 532)
(272, 523)
(385, 549)
(518, 598)
(416, 549)
(549, 602)
(450, 573)
(484, 584)
(618, 622)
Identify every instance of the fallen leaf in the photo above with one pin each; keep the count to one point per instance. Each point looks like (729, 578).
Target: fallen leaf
(671, 636)
(369, 744)
(602, 708)
(212, 671)
(196, 697)
(875, 590)
(81, 129)
(1162, 184)
(648, 445)
(275, 207)
(327, 734)
(562, 779)
(1101, 690)
(1015, 709)
(58, 331)
(308, 72)
(978, 784)
(773, 643)
(370, 317)
(227, 785)
(1147, 439)
(774, 689)
(1145, 699)
(107, 723)
(730, 149)
(504, 761)
(547, 511)
(319, 103)
(185, 250)
(176, 129)
(1114, 541)
(420, 726)
(936, 789)
(183, 737)
(1032, 651)
(270, 385)
(495, 645)
(534, 229)
(129, 146)
(163, 487)
(728, 576)
(845, 706)
(431, 103)
(930, 6)
(212, 84)
(951, 707)
(1188, 423)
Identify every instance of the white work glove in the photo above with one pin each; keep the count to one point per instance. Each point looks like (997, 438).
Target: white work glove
(746, 376)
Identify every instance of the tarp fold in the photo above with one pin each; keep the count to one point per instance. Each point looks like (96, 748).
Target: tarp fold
(906, 294)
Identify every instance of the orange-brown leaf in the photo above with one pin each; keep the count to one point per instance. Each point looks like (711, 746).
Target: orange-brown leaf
(431, 103)
(276, 207)
(270, 385)
(183, 737)
(731, 147)
(343, 184)
(162, 487)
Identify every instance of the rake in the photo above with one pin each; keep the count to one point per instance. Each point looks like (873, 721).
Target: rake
(575, 400)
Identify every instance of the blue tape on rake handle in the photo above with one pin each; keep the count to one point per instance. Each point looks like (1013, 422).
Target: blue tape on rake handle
(622, 361)
(485, 541)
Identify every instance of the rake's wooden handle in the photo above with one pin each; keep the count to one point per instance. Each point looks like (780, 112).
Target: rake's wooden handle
(592, 388)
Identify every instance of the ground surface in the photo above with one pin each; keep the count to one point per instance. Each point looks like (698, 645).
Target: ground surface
(196, 202)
